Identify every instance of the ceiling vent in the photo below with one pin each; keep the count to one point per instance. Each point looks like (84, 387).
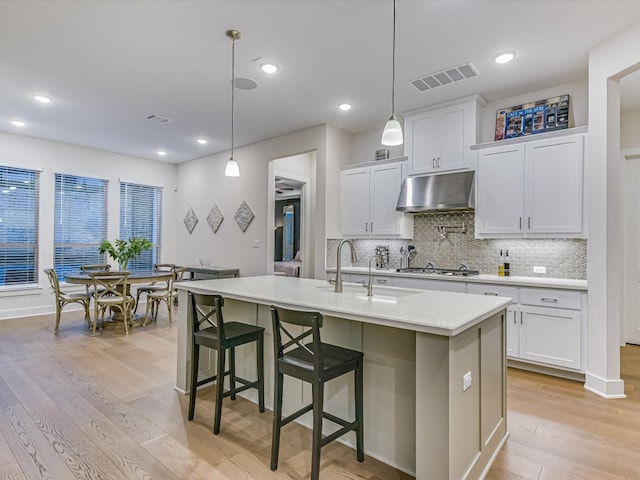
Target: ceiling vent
(158, 118)
(445, 77)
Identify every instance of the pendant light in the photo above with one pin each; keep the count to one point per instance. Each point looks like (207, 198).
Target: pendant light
(392, 133)
(232, 170)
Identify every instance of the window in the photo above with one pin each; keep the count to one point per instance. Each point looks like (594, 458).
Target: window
(80, 217)
(19, 208)
(140, 216)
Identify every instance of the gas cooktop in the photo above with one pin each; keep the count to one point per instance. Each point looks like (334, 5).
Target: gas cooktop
(463, 271)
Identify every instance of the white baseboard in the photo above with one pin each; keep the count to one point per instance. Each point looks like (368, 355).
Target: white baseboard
(604, 387)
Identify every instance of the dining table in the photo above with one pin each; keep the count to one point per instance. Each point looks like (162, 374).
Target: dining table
(135, 277)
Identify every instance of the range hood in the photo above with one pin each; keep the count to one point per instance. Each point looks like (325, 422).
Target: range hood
(439, 192)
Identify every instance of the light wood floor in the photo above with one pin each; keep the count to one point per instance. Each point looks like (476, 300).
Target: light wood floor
(72, 406)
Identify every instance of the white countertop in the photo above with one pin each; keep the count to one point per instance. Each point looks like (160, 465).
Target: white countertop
(441, 313)
(542, 282)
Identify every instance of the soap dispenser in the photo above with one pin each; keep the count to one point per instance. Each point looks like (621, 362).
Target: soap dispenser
(507, 265)
(501, 265)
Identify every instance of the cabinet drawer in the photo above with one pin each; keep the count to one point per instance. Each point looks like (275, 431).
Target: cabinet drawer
(545, 297)
(496, 290)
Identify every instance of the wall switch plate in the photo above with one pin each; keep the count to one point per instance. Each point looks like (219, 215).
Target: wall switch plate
(466, 381)
(256, 244)
(539, 269)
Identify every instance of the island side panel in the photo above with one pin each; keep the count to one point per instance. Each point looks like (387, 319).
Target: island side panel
(459, 431)
(432, 407)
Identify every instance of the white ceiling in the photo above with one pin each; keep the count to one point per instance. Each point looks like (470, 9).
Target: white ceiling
(109, 64)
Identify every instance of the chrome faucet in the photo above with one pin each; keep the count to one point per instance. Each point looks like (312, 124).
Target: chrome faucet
(370, 284)
(354, 259)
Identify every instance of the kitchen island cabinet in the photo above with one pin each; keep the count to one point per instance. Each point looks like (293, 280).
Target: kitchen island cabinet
(435, 373)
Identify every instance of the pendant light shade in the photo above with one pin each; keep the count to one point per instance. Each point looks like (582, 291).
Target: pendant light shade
(232, 169)
(392, 133)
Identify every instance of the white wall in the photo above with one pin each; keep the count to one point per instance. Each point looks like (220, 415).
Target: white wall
(614, 58)
(201, 184)
(365, 145)
(53, 157)
(630, 129)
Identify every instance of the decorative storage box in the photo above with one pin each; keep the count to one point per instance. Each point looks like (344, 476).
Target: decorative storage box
(531, 118)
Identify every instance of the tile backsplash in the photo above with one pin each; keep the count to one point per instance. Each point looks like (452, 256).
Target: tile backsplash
(563, 258)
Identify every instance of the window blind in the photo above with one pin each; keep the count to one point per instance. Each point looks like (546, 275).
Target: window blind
(80, 217)
(141, 216)
(19, 211)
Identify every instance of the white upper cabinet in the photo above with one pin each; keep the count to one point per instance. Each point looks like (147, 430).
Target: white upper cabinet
(532, 188)
(438, 139)
(369, 196)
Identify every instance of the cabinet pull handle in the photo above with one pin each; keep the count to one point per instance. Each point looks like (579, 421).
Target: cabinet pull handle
(433, 162)
(528, 222)
(491, 293)
(438, 162)
(514, 318)
(382, 281)
(521, 318)
(549, 299)
(372, 226)
(520, 223)
(366, 226)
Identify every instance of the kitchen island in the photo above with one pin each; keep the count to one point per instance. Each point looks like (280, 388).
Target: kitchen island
(435, 366)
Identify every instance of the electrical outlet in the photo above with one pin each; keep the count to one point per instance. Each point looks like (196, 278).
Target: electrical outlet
(256, 244)
(539, 269)
(466, 381)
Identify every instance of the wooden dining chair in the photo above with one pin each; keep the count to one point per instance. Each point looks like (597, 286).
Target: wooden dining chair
(156, 297)
(111, 292)
(63, 298)
(154, 286)
(98, 267)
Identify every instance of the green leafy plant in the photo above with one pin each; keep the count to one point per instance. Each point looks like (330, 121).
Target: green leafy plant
(124, 250)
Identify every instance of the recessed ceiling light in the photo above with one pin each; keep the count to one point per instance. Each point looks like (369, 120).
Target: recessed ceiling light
(162, 153)
(17, 123)
(269, 67)
(201, 141)
(344, 106)
(504, 57)
(41, 98)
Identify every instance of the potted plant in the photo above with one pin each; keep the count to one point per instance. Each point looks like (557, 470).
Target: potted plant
(124, 250)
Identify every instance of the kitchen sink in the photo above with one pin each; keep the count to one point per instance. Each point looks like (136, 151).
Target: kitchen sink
(379, 292)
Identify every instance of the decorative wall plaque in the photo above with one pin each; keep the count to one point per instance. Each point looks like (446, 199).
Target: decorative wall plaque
(190, 220)
(243, 216)
(215, 218)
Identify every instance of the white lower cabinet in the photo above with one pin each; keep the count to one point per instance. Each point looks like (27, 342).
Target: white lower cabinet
(551, 336)
(543, 325)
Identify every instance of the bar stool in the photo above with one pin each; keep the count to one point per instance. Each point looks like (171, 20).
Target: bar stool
(316, 363)
(206, 311)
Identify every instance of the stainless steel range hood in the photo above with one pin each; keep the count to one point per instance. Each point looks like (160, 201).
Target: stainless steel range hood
(439, 192)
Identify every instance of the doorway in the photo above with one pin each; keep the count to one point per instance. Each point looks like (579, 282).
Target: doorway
(631, 306)
(290, 243)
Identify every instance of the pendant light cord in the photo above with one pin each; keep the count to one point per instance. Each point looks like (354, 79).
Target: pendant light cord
(393, 64)
(233, 88)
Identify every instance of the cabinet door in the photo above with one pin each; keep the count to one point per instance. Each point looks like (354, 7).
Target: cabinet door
(420, 142)
(453, 146)
(512, 333)
(551, 336)
(554, 199)
(354, 193)
(386, 182)
(499, 191)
